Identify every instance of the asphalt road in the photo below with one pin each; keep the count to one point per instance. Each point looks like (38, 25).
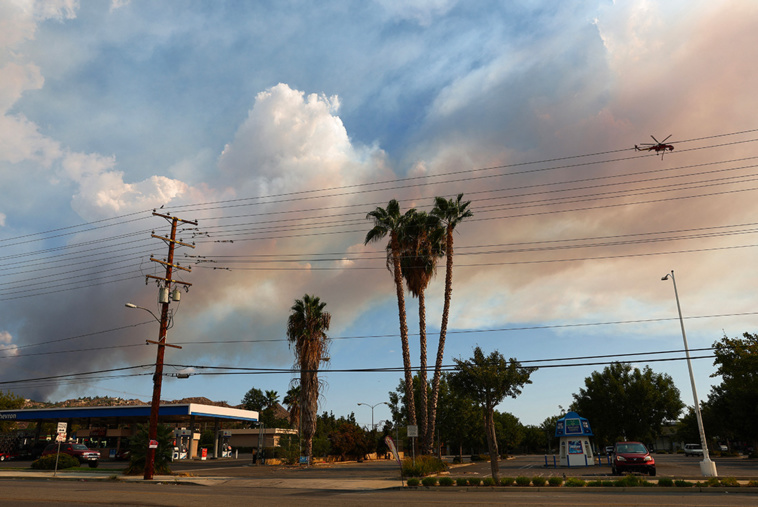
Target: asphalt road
(68, 493)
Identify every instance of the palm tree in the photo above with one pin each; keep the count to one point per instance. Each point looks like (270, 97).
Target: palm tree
(306, 330)
(421, 245)
(389, 221)
(450, 212)
(292, 400)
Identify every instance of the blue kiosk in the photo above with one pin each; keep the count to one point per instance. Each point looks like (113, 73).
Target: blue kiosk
(574, 434)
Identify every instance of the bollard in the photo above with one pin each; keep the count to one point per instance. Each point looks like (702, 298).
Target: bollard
(554, 463)
(546, 461)
(585, 460)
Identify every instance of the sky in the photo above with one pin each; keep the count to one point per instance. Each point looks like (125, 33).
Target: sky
(278, 126)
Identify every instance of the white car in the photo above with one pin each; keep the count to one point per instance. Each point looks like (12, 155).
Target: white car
(693, 450)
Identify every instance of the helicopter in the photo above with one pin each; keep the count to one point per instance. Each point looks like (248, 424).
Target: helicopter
(659, 146)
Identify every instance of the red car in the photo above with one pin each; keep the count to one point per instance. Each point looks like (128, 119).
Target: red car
(632, 457)
(79, 451)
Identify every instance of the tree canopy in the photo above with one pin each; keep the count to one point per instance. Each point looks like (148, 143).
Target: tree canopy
(488, 380)
(732, 407)
(622, 402)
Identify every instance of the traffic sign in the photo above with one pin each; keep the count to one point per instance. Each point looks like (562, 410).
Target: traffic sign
(153, 444)
(61, 437)
(413, 431)
(62, 427)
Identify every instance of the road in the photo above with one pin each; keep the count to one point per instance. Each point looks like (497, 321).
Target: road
(67, 493)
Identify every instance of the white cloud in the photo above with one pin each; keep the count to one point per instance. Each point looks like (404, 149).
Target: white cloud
(6, 342)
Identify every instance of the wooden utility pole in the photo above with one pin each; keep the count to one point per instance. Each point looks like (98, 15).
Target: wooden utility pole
(165, 297)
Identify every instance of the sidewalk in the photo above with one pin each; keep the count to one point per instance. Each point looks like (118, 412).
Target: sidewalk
(325, 484)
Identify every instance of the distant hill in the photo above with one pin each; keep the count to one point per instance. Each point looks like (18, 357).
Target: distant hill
(107, 401)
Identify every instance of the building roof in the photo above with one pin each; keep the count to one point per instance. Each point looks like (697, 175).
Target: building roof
(130, 413)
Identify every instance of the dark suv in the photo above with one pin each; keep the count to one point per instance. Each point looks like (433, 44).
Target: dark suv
(632, 457)
(79, 451)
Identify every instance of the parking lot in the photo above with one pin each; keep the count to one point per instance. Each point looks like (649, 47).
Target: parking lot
(668, 465)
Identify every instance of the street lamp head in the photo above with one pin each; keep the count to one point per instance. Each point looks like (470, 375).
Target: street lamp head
(130, 305)
(665, 277)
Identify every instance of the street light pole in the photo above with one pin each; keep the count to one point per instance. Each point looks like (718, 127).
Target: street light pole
(372, 411)
(707, 467)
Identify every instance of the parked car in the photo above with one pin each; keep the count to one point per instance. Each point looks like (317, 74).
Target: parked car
(723, 448)
(693, 450)
(79, 451)
(632, 457)
(4, 456)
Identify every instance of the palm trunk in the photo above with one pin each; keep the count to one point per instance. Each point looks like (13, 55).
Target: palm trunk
(424, 438)
(489, 427)
(443, 333)
(309, 409)
(410, 401)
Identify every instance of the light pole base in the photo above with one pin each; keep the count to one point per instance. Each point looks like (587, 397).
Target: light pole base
(708, 468)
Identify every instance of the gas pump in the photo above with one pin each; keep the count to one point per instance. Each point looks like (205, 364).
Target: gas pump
(181, 443)
(225, 450)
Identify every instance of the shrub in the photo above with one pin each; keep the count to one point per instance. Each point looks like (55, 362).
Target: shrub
(608, 484)
(730, 482)
(507, 481)
(139, 445)
(461, 481)
(752, 483)
(488, 481)
(523, 481)
(713, 482)
(574, 482)
(555, 481)
(429, 481)
(48, 462)
(629, 481)
(413, 482)
(538, 481)
(474, 481)
(665, 482)
(480, 457)
(679, 483)
(446, 481)
(594, 484)
(457, 459)
(425, 465)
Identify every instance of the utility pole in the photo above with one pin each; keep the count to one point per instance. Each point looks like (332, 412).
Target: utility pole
(165, 295)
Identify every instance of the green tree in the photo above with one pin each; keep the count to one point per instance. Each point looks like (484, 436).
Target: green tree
(350, 440)
(292, 401)
(627, 403)
(421, 245)
(510, 432)
(458, 418)
(450, 212)
(306, 330)
(389, 221)
(488, 380)
(139, 445)
(254, 399)
(9, 401)
(733, 404)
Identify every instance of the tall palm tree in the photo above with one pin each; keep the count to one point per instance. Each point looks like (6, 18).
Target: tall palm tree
(389, 221)
(292, 401)
(451, 212)
(306, 330)
(421, 244)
